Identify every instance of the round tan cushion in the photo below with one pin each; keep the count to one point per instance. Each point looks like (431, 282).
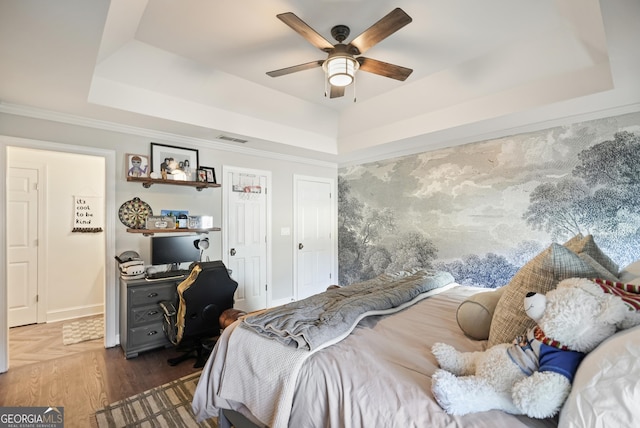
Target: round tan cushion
(474, 314)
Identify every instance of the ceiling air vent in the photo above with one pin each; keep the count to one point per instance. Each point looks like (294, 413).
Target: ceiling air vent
(232, 139)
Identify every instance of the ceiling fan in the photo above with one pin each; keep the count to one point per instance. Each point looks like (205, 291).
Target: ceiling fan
(343, 61)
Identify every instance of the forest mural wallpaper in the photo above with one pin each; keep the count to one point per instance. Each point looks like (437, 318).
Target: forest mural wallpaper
(482, 210)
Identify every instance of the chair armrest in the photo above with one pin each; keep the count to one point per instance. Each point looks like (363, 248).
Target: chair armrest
(169, 324)
(168, 308)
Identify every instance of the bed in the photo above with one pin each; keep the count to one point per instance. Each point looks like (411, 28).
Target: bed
(378, 373)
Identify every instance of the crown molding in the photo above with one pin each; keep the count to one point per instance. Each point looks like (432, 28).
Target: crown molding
(445, 139)
(69, 119)
(364, 157)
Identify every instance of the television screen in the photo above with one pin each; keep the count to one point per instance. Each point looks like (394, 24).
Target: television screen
(173, 249)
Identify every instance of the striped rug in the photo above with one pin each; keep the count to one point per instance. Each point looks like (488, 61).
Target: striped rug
(83, 330)
(167, 406)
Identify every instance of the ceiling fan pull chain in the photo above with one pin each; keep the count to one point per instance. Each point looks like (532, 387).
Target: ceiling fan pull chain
(326, 88)
(354, 88)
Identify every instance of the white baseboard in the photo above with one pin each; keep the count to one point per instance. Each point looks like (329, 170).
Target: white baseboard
(279, 302)
(77, 312)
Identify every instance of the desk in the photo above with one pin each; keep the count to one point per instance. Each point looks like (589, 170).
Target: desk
(140, 315)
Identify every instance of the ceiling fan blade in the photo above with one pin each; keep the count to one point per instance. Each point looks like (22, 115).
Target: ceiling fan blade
(384, 68)
(295, 68)
(389, 24)
(301, 27)
(336, 91)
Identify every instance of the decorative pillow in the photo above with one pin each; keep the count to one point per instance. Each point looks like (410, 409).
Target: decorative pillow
(474, 314)
(634, 281)
(588, 245)
(604, 390)
(573, 242)
(630, 272)
(540, 275)
(602, 272)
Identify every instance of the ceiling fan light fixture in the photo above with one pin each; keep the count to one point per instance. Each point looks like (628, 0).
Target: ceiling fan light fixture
(341, 70)
(341, 65)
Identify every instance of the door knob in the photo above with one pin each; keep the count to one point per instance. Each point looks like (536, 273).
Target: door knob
(232, 252)
(300, 246)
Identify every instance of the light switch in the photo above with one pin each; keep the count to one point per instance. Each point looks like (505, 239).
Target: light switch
(285, 231)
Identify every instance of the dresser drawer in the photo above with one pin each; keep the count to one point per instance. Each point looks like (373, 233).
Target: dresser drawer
(151, 334)
(145, 314)
(141, 317)
(152, 294)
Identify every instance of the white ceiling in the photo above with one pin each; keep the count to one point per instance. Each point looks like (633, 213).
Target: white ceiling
(197, 68)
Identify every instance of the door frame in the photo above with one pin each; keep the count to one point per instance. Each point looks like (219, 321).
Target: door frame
(110, 302)
(334, 229)
(226, 191)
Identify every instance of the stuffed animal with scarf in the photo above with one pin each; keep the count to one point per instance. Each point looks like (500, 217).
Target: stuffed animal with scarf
(533, 375)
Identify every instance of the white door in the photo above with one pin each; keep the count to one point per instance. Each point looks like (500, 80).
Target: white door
(22, 246)
(314, 215)
(245, 249)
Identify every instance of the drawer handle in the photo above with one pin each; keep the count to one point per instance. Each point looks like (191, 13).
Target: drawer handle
(152, 332)
(150, 295)
(152, 312)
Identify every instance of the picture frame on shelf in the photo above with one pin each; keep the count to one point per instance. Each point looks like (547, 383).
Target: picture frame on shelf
(136, 165)
(174, 213)
(210, 174)
(173, 161)
(180, 217)
(202, 175)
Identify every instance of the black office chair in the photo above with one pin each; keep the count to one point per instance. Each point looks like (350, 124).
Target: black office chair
(194, 327)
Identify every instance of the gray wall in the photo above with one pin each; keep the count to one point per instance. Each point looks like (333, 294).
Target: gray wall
(482, 210)
(209, 201)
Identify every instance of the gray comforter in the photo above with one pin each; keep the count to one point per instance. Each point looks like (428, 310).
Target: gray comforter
(311, 322)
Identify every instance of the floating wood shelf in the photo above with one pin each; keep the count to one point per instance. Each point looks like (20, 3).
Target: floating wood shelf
(147, 182)
(148, 232)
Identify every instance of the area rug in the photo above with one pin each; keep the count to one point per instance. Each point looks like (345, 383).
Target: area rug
(83, 330)
(168, 406)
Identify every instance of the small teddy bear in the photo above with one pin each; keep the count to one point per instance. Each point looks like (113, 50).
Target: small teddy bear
(532, 375)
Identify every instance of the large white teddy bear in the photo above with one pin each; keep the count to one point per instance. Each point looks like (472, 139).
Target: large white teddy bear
(533, 375)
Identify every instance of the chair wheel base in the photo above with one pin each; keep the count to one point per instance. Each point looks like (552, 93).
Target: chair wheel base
(200, 363)
(177, 360)
(201, 355)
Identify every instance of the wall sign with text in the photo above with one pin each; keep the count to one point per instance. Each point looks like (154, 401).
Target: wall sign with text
(87, 214)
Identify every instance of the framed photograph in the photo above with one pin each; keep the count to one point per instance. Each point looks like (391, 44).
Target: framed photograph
(209, 174)
(136, 165)
(172, 160)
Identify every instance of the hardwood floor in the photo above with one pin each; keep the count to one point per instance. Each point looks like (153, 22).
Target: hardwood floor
(82, 377)
(35, 343)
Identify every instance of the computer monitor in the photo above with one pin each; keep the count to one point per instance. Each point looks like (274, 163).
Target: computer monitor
(173, 250)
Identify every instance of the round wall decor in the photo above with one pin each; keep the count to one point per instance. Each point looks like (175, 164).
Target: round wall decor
(134, 213)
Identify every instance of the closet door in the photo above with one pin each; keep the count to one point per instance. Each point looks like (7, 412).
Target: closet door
(314, 213)
(246, 229)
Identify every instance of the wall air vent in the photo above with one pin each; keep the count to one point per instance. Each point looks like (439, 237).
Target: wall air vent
(232, 139)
